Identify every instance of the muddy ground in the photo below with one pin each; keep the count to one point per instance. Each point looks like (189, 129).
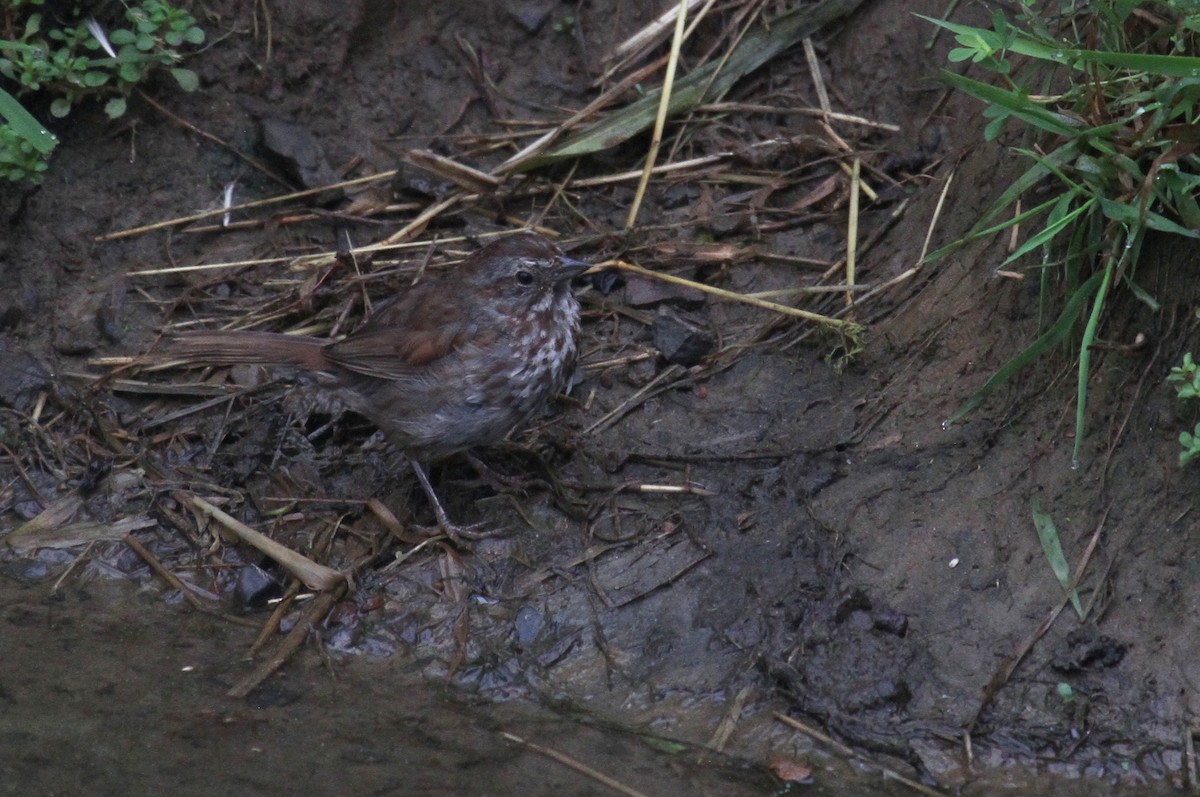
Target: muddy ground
(835, 554)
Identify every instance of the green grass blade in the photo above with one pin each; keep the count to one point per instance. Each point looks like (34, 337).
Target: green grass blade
(995, 228)
(1085, 358)
(1131, 216)
(1043, 165)
(1051, 230)
(1142, 295)
(1049, 338)
(1052, 546)
(1165, 65)
(1015, 103)
(25, 125)
(953, 27)
(1027, 180)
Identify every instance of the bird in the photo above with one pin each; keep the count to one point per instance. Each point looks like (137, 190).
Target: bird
(456, 361)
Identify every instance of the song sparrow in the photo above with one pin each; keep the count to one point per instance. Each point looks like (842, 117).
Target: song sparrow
(453, 362)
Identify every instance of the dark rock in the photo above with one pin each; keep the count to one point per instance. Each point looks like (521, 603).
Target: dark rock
(681, 342)
(77, 339)
(22, 378)
(300, 155)
(890, 621)
(607, 281)
(1087, 649)
(679, 195)
(254, 586)
(528, 624)
(530, 16)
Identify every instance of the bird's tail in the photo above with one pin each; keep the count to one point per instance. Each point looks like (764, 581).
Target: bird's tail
(235, 348)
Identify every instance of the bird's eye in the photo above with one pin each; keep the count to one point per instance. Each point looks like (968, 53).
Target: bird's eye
(524, 277)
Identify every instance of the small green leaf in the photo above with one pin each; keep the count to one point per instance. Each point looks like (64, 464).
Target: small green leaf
(60, 107)
(994, 127)
(186, 78)
(115, 108)
(122, 36)
(194, 35)
(1142, 294)
(1052, 547)
(130, 73)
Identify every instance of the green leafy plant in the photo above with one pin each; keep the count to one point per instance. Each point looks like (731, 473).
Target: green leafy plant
(1112, 128)
(71, 57)
(24, 144)
(1187, 376)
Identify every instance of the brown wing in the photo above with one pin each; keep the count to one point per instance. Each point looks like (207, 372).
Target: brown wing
(407, 335)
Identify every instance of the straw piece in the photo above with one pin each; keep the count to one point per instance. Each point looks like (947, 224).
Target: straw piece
(736, 297)
(315, 613)
(661, 119)
(576, 765)
(315, 576)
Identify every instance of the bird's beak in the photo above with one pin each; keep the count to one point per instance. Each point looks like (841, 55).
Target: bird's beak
(569, 268)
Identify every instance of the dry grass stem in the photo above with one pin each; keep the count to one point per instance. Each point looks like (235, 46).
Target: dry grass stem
(42, 532)
(258, 203)
(576, 765)
(674, 489)
(748, 107)
(623, 177)
(937, 214)
(314, 614)
(400, 239)
(418, 224)
(783, 309)
(271, 627)
(393, 524)
(660, 120)
(26, 536)
(852, 232)
(306, 262)
(461, 175)
(649, 36)
(729, 721)
(1014, 234)
(887, 772)
(808, 290)
(314, 576)
(1189, 754)
(814, 68)
(166, 575)
(600, 365)
(220, 142)
(615, 414)
(537, 147)
(841, 144)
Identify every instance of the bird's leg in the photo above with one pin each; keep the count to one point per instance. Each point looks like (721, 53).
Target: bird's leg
(453, 531)
(494, 478)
